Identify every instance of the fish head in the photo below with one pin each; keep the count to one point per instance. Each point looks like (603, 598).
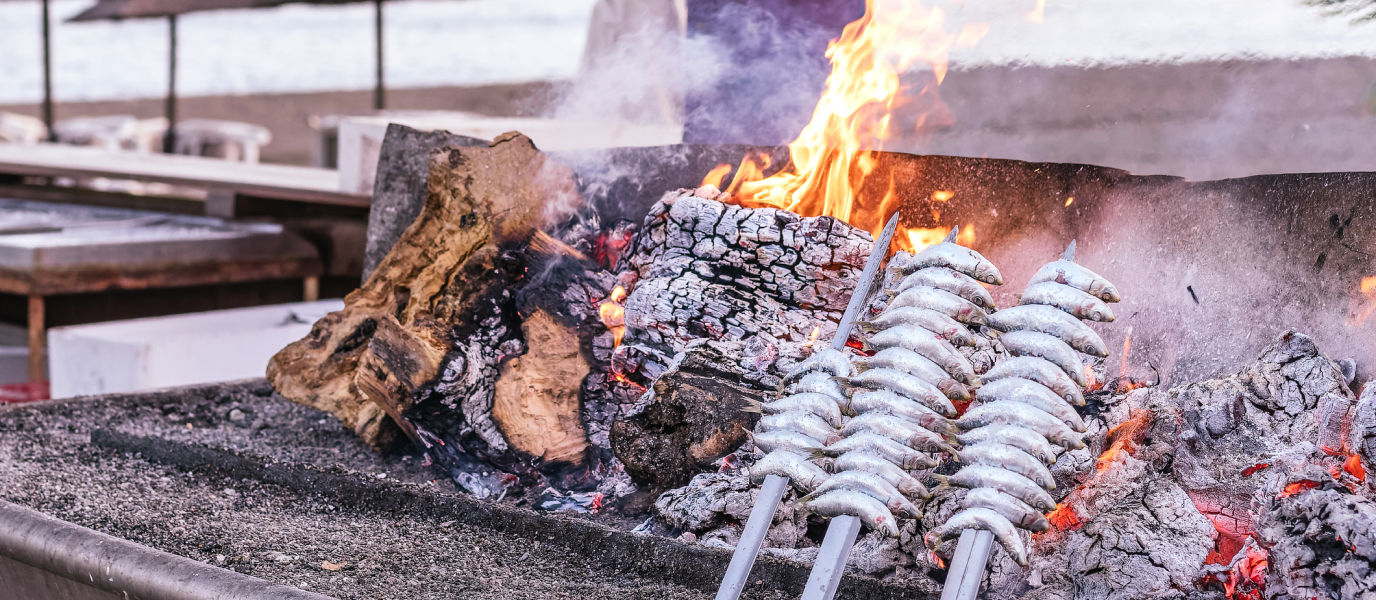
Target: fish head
(1095, 311)
(831, 439)
(988, 273)
(827, 463)
(1039, 524)
(886, 525)
(1107, 293)
(953, 389)
(1088, 342)
(1070, 441)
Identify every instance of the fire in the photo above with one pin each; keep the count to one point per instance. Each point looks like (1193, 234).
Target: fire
(1068, 201)
(613, 314)
(1353, 466)
(1092, 383)
(1362, 303)
(835, 153)
(921, 237)
(1065, 518)
(1299, 486)
(812, 339)
(1038, 15)
(715, 176)
(1124, 437)
(1125, 383)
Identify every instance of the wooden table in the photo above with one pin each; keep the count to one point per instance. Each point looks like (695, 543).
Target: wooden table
(48, 249)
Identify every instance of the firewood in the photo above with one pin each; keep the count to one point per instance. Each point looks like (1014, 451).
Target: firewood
(441, 288)
(536, 402)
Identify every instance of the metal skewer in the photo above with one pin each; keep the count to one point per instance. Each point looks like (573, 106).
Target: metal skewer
(967, 565)
(762, 515)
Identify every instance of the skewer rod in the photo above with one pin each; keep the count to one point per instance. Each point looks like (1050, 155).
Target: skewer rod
(756, 526)
(831, 558)
(967, 565)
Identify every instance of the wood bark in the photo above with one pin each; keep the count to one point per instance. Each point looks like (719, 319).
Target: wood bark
(445, 281)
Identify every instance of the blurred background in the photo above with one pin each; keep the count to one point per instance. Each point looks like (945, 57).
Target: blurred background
(178, 156)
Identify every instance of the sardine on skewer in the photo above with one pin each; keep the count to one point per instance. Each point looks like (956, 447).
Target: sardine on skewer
(901, 383)
(900, 430)
(1051, 321)
(857, 460)
(1041, 345)
(1013, 509)
(783, 439)
(1067, 272)
(802, 474)
(821, 405)
(826, 360)
(1009, 459)
(1007, 412)
(1039, 370)
(1074, 302)
(1021, 438)
(890, 403)
(948, 280)
(872, 485)
(941, 301)
(800, 421)
(891, 450)
(1017, 486)
(927, 344)
(980, 518)
(1033, 394)
(871, 512)
(903, 359)
(936, 322)
(953, 256)
(817, 382)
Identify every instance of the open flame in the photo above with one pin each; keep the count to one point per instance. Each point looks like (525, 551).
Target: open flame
(836, 151)
(613, 314)
(812, 338)
(1363, 302)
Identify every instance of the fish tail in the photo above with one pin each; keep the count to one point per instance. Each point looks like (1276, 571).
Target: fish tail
(951, 237)
(867, 327)
(942, 482)
(816, 453)
(845, 385)
(1069, 255)
(866, 345)
(860, 366)
(753, 406)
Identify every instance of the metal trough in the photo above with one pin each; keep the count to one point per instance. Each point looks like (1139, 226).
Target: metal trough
(42, 558)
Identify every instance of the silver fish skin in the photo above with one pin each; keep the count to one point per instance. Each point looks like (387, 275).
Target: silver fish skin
(927, 344)
(821, 405)
(826, 360)
(802, 474)
(800, 421)
(1039, 370)
(872, 512)
(1077, 276)
(956, 257)
(1021, 438)
(898, 382)
(940, 301)
(943, 326)
(872, 485)
(889, 403)
(1032, 394)
(1041, 345)
(1010, 459)
(948, 280)
(873, 443)
(1051, 321)
(898, 429)
(1008, 482)
(980, 518)
(906, 484)
(1007, 412)
(903, 359)
(1073, 301)
(1016, 511)
(790, 441)
(817, 383)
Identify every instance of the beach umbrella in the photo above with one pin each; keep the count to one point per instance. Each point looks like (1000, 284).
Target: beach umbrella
(169, 9)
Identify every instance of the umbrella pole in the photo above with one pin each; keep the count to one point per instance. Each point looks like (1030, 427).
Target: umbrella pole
(379, 97)
(47, 77)
(169, 141)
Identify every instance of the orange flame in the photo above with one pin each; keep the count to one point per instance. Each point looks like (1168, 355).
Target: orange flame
(1362, 303)
(715, 176)
(1124, 437)
(1038, 15)
(812, 339)
(1299, 486)
(836, 151)
(1353, 466)
(613, 314)
(1064, 518)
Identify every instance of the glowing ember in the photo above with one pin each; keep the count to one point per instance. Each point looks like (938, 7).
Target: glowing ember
(1092, 383)
(1353, 466)
(1254, 468)
(1065, 518)
(943, 195)
(812, 339)
(613, 314)
(1069, 200)
(835, 152)
(1298, 487)
(1363, 303)
(1124, 437)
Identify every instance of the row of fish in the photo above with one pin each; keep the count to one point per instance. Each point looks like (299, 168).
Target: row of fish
(900, 398)
(1026, 405)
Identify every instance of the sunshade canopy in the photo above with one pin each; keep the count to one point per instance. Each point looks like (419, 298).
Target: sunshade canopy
(136, 9)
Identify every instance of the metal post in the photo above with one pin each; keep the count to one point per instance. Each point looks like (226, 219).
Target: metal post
(47, 76)
(379, 92)
(831, 558)
(38, 342)
(169, 141)
(967, 565)
(756, 526)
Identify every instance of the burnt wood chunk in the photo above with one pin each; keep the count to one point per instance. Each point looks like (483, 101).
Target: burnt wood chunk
(536, 402)
(698, 417)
